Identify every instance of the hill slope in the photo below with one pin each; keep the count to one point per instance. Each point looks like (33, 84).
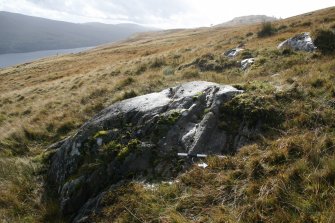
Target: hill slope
(287, 173)
(247, 20)
(21, 33)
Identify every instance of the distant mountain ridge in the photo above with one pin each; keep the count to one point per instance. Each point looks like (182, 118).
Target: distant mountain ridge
(21, 33)
(247, 20)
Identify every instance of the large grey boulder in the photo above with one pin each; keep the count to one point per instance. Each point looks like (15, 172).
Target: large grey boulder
(301, 42)
(141, 136)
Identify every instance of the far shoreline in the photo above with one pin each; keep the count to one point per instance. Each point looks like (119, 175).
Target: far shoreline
(13, 59)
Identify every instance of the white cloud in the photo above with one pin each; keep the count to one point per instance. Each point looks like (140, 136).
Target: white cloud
(159, 13)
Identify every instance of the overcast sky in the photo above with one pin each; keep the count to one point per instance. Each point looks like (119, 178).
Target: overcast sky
(160, 13)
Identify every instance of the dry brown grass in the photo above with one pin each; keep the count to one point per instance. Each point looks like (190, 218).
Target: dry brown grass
(44, 101)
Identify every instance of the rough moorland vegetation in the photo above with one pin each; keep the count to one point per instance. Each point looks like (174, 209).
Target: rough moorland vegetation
(286, 175)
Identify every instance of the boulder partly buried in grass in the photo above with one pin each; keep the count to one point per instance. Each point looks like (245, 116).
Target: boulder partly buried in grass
(301, 42)
(140, 137)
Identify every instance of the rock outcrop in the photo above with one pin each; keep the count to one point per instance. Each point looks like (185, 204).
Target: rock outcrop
(138, 137)
(301, 42)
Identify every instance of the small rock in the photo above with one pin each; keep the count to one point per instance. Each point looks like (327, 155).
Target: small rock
(247, 63)
(233, 52)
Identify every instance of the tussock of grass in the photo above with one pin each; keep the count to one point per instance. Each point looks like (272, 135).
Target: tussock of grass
(325, 41)
(266, 30)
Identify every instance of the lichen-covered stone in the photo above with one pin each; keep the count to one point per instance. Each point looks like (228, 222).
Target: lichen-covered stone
(301, 42)
(140, 136)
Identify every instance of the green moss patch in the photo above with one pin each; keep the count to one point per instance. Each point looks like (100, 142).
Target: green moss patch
(132, 146)
(251, 108)
(169, 119)
(100, 134)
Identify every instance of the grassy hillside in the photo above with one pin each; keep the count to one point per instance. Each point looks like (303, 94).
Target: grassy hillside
(286, 175)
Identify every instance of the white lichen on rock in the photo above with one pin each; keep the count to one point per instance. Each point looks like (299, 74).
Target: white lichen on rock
(301, 42)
